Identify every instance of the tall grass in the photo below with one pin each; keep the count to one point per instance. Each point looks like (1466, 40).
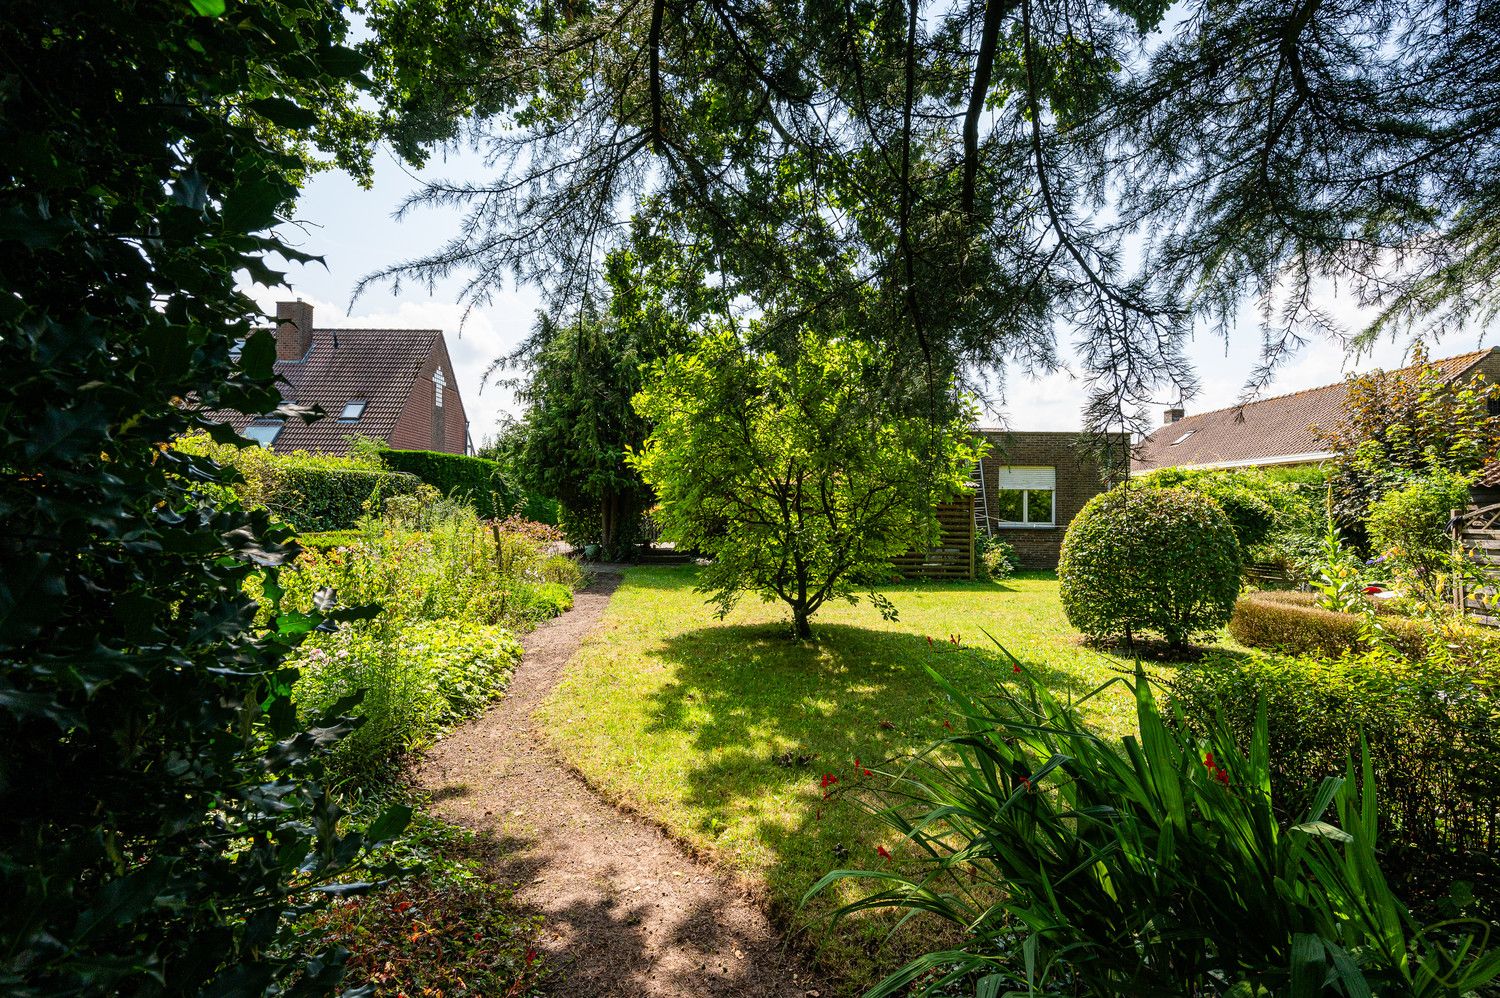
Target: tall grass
(1156, 866)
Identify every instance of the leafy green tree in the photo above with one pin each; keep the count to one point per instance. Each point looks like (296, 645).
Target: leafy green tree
(1402, 425)
(792, 474)
(581, 374)
(161, 807)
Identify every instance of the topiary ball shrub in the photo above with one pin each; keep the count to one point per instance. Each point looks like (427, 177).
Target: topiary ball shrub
(1138, 561)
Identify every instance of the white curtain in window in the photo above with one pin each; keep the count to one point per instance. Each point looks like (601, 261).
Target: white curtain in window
(1014, 477)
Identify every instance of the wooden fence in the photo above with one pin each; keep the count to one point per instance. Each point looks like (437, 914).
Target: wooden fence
(1477, 533)
(953, 557)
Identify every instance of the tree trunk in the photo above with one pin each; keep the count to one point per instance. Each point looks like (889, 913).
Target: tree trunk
(801, 625)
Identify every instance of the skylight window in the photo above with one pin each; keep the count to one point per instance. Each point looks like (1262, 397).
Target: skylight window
(353, 409)
(264, 434)
(1180, 439)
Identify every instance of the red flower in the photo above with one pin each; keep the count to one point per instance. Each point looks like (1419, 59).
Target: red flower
(929, 640)
(884, 852)
(1222, 775)
(828, 780)
(1208, 761)
(858, 769)
(947, 725)
(1372, 590)
(400, 906)
(530, 956)
(1016, 668)
(1026, 782)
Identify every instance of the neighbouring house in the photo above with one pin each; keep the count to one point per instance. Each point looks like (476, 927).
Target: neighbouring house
(1273, 432)
(1030, 485)
(392, 385)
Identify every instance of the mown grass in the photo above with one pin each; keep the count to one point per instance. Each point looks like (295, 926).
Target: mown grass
(722, 730)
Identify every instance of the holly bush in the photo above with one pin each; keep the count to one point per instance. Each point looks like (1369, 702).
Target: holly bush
(162, 807)
(1163, 561)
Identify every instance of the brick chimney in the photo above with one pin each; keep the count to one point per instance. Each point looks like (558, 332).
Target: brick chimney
(1170, 416)
(294, 329)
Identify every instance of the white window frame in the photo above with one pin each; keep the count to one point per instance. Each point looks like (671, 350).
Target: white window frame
(358, 405)
(1026, 479)
(438, 384)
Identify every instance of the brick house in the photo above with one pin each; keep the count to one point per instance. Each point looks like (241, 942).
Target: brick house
(1273, 432)
(394, 385)
(1031, 484)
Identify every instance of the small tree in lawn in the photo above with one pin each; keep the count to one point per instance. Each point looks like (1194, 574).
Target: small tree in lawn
(795, 476)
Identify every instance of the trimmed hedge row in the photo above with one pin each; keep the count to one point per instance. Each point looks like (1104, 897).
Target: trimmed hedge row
(1434, 737)
(317, 497)
(478, 480)
(1294, 623)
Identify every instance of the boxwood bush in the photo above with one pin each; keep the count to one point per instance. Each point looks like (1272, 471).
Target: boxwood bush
(1137, 561)
(1434, 741)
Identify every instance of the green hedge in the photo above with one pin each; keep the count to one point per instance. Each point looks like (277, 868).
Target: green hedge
(476, 479)
(1434, 737)
(313, 497)
(479, 480)
(1149, 560)
(1293, 622)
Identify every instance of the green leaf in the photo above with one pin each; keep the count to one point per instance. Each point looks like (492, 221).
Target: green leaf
(1324, 829)
(209, 8)
(391, 823)
(285, 113)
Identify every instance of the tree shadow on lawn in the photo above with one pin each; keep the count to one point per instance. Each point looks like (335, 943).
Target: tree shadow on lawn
(768, 717)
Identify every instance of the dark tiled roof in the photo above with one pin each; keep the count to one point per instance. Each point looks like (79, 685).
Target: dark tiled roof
(1272, 430)
(379, 366)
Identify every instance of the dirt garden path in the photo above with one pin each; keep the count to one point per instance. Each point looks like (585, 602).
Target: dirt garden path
(627, 911)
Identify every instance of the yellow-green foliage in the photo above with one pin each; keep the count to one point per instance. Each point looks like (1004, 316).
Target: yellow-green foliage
(1293, 622)
(310, 491)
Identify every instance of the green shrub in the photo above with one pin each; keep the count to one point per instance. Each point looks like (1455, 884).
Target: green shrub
(1409, 524)
(997, 558)
(1242, 497)
(1434, 745)
(418, 678)
(1072, 865)
(543, 602)
(312, 497)
(477, 480)
(1293, 622)
(1149, 560)
(313, 492)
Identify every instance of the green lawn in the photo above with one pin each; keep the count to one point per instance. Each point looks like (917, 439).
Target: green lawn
(688, 719)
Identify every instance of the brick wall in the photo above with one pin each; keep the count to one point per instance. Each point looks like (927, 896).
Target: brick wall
(1080, 477)
(419, 428)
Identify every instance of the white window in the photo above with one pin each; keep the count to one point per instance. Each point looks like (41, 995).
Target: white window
(438, 384)
(264, 434)
(353, 409)
(1026, 497)
(1180, 439)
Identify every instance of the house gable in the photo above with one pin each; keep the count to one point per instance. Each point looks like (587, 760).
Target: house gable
(423, 424)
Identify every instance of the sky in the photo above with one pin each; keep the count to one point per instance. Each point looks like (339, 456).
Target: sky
(355, 233)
